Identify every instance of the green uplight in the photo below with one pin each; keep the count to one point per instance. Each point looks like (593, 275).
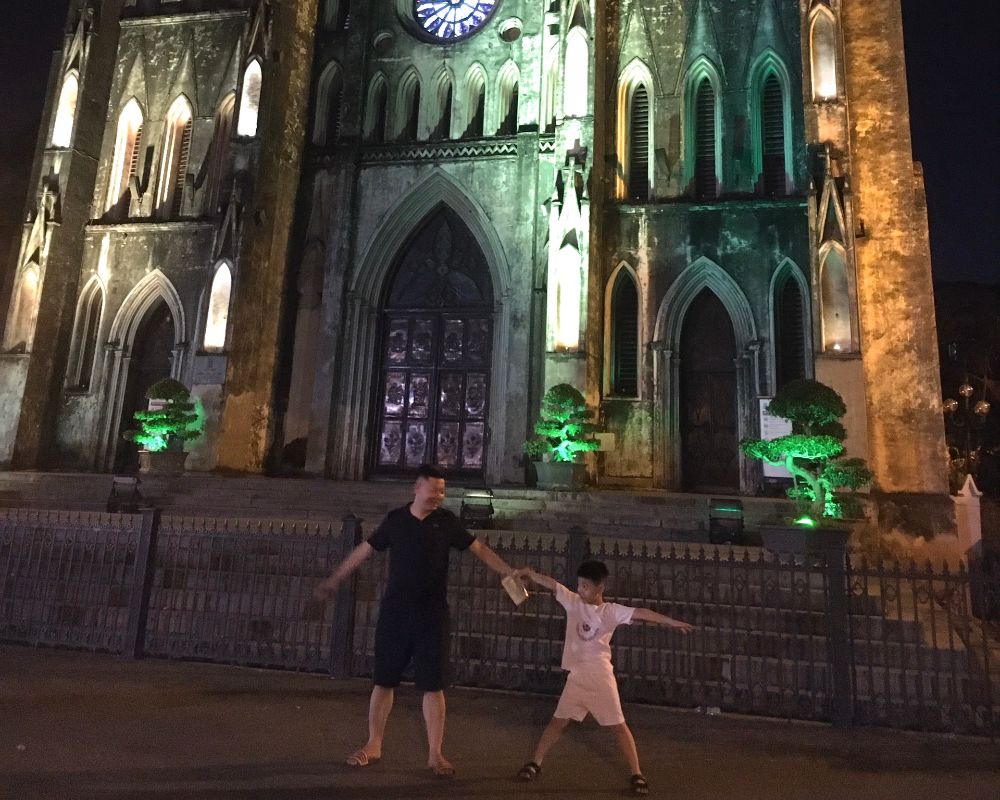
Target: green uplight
(806, 522)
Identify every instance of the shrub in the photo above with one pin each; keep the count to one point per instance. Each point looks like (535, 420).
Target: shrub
(562, 428)
(171, 425)
(812, 451)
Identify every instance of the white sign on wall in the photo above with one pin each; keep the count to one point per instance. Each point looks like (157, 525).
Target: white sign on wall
(772, 427)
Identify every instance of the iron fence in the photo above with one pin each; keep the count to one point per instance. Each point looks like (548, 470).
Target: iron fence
(840, 640)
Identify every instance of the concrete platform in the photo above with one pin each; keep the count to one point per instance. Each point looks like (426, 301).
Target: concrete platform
(85, 727)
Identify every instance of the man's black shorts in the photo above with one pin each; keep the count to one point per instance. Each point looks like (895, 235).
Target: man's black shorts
(420, 635)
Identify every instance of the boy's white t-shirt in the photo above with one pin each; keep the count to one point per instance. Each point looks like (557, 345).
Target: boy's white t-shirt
(589, 630)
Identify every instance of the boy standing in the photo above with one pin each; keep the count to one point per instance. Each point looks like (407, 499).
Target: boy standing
(591, 686)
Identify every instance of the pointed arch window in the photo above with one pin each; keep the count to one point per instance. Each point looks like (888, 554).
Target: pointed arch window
(565, 299)
(329, 108)
(634, 138)
(625, 336)
(706, 180)
(823, 55)
(835, 299)
(409, 108)
(219, 155)
(85, 337)
(338, 15)
(477, 105)
(217, 317)
(62, 129)
(375, 119)
(508, 101)
(772, 126)
(549, 91)
(789, 332)
(24, 311)
(174, 159)
(128, 146)
(253, 79)
(445, 103)
(576, 74)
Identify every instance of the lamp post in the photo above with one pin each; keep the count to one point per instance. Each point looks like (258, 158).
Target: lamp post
(964, 421)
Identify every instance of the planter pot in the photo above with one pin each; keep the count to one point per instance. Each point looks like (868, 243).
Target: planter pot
(815, 543)
(162, 462)
(561, 475)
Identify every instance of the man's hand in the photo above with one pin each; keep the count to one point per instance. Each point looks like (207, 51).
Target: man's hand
(326, 589)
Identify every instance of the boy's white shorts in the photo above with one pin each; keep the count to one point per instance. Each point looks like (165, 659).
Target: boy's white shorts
(593, 692)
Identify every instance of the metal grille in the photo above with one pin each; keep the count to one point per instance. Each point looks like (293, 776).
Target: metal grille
(240, 591)
(66, 578)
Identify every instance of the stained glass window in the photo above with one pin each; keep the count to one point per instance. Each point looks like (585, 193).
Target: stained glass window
(453, 19)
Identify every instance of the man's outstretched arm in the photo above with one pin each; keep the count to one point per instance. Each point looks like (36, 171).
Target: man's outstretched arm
(489, 557)
(328, 587)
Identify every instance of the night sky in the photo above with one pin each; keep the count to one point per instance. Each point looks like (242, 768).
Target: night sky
(954, 71)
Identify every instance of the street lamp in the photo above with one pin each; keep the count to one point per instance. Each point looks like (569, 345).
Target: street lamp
(964, 421)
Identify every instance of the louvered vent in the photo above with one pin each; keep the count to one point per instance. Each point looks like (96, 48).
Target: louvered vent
(625, 337)
(706, 181)
(184, 156)
(773, 136)
(638, 157)
(790, 331)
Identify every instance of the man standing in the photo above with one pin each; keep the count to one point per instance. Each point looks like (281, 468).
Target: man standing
(413, 617)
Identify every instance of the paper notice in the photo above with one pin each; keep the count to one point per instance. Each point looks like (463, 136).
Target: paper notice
(515, 589)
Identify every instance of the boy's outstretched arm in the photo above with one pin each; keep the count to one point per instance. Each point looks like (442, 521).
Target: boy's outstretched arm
(537, 578)
(648, 615)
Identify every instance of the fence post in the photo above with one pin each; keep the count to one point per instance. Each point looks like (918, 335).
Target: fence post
(839, 634)
(577, 550)
(342, 641)
(142, 584)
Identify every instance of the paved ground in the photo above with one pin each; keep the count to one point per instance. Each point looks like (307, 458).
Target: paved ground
(77, 726)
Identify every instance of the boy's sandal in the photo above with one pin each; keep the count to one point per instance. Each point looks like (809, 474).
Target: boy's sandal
(359, 758)
(529, 771)
(443, 770)
(639, 785)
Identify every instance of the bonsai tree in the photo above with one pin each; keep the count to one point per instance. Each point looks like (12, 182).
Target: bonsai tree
(812, 451)
(169, 426)
(562, 427)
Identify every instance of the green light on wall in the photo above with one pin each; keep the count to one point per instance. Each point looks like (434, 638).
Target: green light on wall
(806, 522)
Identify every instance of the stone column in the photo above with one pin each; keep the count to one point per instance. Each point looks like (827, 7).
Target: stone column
(898, 330)
(49, 350)
(248, 419)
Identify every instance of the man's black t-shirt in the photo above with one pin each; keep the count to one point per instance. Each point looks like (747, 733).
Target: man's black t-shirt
(418, 562)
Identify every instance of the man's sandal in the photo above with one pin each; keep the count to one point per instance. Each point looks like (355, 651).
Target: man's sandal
(359, 758)
(443, 770)
(529, 771)
(639, 785)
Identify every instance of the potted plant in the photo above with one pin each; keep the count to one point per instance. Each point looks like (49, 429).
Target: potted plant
(164, 427)
(561, 435)
(813, 455)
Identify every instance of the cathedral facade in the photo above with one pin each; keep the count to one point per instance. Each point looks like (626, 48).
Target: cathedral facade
(371, 235)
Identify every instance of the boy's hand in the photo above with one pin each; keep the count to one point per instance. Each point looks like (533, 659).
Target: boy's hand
(677, 625)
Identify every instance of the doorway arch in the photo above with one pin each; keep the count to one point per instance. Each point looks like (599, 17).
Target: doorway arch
(436, 354)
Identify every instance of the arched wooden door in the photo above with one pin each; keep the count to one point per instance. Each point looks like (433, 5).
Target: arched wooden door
(709, 439)
(434, 382)
(151, 360)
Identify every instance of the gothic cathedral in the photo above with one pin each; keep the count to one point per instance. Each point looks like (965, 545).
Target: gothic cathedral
(372, 234)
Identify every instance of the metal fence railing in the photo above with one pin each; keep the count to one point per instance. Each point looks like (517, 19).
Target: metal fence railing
(838, 640)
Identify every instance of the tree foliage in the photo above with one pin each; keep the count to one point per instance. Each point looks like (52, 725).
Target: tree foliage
(172, 424)
(562, 429)
(812, 452)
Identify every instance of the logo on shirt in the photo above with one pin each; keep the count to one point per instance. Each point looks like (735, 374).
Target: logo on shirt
(587, 632)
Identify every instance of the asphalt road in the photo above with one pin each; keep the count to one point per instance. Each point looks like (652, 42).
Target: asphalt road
(76, 726)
